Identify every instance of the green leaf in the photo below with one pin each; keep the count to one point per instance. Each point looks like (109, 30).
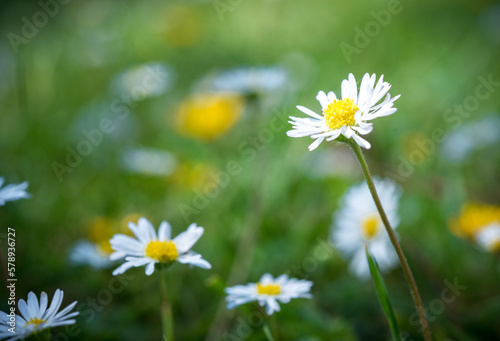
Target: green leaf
(383, 295)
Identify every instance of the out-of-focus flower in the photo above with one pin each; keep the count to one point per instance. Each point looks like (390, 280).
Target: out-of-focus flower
(96, 250)
(347, 116)
(13, 192)
(149, 161)
(489, 237)
(208, 116)
(357, 223)
(268, 291)
(35, 316)
(151, 249)
(470, 137)
(250, 80)
(87, 253)
(143, 81)
(473, 219)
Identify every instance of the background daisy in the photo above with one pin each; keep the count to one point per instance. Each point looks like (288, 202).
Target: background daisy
(151, 248)
(357, 222)
(268, 292)
(13, 192)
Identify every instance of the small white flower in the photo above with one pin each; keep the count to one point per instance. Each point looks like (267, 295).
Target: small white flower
(87, 253)
(357, 222)
(149, 161)
(144, 81)
(13, 192)
(251, 80)
(35, 316)
(471, 136)
(489, 237)
(150, 248)
(348, 116)
(268, 291)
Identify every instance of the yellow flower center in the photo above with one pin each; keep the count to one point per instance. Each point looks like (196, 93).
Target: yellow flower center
(164, 252)
(36, 321)
(340, 113)
(271, 289)
(473, 218)
(370, 227)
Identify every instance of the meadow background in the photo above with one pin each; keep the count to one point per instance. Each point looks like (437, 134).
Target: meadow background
(66, 79)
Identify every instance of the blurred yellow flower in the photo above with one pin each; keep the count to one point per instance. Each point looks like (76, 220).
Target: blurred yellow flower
(208, 116)
(102, 229)
(474, 218)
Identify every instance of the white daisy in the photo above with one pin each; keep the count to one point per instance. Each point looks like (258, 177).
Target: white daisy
(268, 291)
(251, 80)
(13, 192)
(144, 81)
(87, 253)
(35, 316)
(150, 248)
(347, 116)
(489, 237)
(149, 161)
(357, 222)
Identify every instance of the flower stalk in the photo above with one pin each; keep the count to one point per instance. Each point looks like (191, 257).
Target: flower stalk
(166, 310)
(417, 300)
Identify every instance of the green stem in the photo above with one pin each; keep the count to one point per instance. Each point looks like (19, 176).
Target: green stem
(267, 332)
(166, 310)
(417, 300)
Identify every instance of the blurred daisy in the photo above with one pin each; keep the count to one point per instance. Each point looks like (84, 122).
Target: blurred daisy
(95, 250)
(489, 237)
(473, 218)
(471, 137)
(268, 291)
(357, 223)
(35, 316)
(143, 81)
(149, 161)
(479, 223)
(87, 253)
(13, 192)
(348, 116)
(208, 116)
(251, 80)
(150, 248)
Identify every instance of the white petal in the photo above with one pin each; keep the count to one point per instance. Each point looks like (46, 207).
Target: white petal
(309, 112)
(316, 143)
(164, 231)
(322, 99)
(361, 141)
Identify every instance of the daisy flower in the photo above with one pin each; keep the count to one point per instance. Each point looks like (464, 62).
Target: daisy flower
(150, 248)
(489, 238)
(357, 222)
(268, 291)
(348, 116)
(474, 218)
(479, 223)
(35, 316)
(13, 192)
(87, 253)
(251, 80)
